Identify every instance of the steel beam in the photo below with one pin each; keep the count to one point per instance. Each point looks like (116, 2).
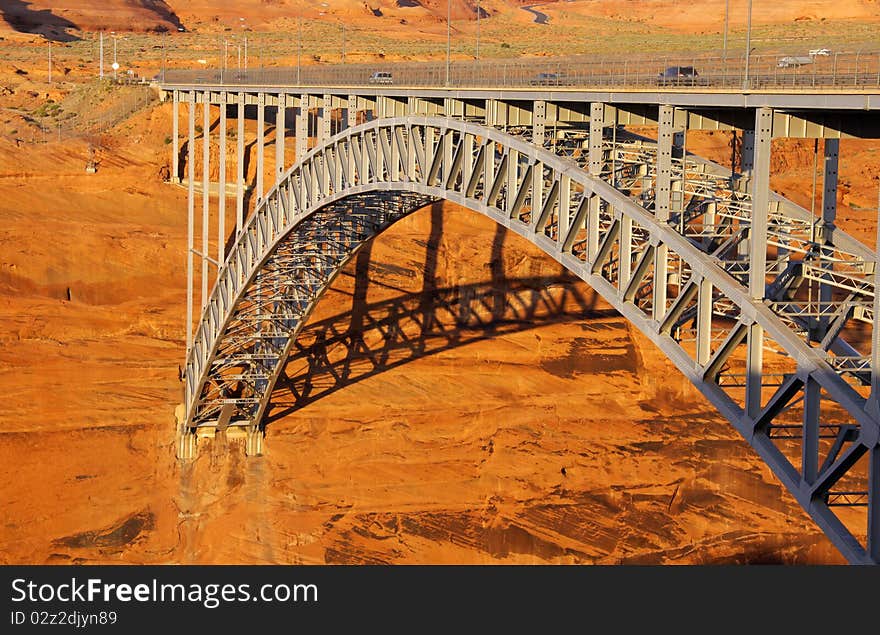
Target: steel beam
(175, 138)
(539, 117)
(261, 142)
(810, 443)
(190, 218)
(829, 216)
(760, 190)
(663, 188)
(597, 123)
(747, 152)
(754, 370)
(351, 112)
(280, 136)
(302, 127)
(326, 118)
(873, 537)
(239, 166)
(221, 183)
(206, 191)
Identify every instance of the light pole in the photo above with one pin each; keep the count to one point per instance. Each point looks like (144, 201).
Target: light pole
(748, 46)
(101, 55)
(164, 54)
(343, 42)
(50, 61)
(448, 37)
(299, 49)
(478, 31)
(115, 65)
(726, 19)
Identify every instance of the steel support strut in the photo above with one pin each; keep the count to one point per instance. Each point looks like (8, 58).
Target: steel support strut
(280, 127)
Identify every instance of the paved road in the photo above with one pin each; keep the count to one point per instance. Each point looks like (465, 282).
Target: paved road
(540, 18)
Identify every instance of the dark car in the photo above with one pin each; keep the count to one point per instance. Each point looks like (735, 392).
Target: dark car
(678, 76)
(548, 79)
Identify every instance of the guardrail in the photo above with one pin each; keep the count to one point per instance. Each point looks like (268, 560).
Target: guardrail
(860, 69)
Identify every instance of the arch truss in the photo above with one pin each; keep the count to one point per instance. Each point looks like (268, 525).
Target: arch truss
(763, 309)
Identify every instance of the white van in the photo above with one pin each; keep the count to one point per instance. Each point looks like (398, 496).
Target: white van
(380, 77)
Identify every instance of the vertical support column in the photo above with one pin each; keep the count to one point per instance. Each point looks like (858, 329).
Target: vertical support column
(829, 193)
(662, 199)
(539, 118)
(595, 204)
(239, 167)
(597, 123)
(679, 151)
(280, 136)
(760, 186)
(190, 217)
(302, 127)
(704, 323)
(448, 151)
(663, 187)
(563, 219)
(175, 139)
(512, 179)
(206, 189)
(490, 112)
(810, 447)
(754, 369)
(873, 542)
(326, 118)
(221, 185)
(261, 141)
(254, 442)
(625, 264)
(661, 279)
(747, 154)
(468, 156)
(829, 215)
(489, 169)
(537, 190)
(351, 112)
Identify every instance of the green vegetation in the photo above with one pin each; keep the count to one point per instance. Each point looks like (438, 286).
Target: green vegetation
(48, 109)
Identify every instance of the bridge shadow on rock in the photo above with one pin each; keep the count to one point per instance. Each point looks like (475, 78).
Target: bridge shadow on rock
(43, 22)
(372, 338)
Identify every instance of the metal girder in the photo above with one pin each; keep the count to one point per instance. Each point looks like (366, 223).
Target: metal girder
(292, 247)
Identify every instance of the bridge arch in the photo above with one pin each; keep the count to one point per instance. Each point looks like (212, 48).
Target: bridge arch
(683, 290)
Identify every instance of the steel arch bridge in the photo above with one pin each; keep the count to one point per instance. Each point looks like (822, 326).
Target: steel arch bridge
(726, 292)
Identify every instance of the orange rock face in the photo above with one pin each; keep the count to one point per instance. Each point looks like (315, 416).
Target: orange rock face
(483, 405)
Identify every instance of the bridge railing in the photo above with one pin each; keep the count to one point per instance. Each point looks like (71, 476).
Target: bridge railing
(859, 69)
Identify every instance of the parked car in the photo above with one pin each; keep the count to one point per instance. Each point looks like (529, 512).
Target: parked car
(381, 77)
(549, 79)
(678, 76)
(820, 52)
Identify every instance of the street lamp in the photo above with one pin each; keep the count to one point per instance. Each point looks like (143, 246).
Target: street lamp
(726, 19)
(115, 65)
(748, 46)
(299, 49)
(448, 37)
(478, 31)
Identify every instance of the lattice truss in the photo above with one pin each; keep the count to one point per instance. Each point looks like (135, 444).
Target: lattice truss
(791, 372)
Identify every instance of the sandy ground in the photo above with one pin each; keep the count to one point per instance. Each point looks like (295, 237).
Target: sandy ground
(550, 432)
